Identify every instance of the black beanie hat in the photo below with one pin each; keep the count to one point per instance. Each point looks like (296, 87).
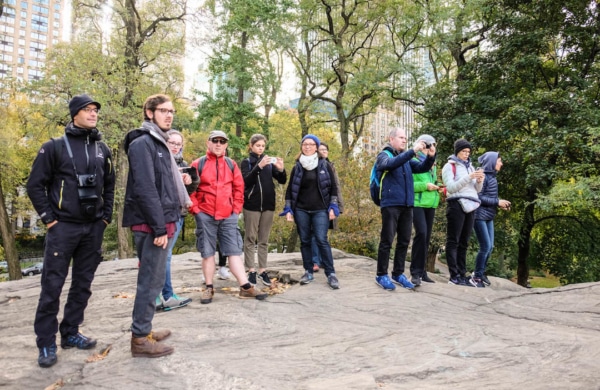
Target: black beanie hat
(461, 144)
(80, 101)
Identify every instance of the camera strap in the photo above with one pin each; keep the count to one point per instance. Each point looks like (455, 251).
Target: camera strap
(70, 152)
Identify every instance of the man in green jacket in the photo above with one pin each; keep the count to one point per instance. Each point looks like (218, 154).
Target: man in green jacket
(427, 199)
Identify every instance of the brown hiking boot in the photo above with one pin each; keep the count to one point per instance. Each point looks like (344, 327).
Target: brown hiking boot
(252, 293)
(207, 295)
(160, 335)
(148, 347)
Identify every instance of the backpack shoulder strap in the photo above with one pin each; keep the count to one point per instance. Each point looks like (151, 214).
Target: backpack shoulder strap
(230, 163)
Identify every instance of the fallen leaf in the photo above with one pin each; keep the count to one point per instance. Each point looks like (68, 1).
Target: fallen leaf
(56, 385)
(99, 356)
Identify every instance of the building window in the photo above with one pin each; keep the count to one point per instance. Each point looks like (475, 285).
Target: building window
(24, 4)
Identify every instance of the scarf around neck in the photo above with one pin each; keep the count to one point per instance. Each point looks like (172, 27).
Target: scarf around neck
(184, 199)
(309, 162)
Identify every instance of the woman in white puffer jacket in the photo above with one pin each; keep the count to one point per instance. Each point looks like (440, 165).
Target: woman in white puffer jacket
(463, 183)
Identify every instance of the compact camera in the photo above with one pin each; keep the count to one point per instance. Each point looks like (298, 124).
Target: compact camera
(88, 199)
(273, 160)
(427, 146)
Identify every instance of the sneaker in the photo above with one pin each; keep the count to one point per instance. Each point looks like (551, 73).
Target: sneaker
(316, 268)
(333, 282)
(385, 282)
(252, 278)
(307, 278)
(252, 293)
(47, 356)
(416, 281)
(402, 281)
(486, 281)
(426, 278)
(264, 278)
(455, 281)
(223, 273)
(159, 303)
(175, 302)
(207, 295)
(476, 282)
(78, 340)
(464, 281)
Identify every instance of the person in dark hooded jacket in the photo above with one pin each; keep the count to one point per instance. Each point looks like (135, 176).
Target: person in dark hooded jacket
(491, 162)
(71, 186)
(155, 197)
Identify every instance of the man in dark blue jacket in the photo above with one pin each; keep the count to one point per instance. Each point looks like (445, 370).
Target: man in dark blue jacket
(154, 198)
(71, 186)
(397, 201)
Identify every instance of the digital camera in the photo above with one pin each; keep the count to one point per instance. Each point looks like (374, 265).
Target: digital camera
(427, 146)
(88, 199)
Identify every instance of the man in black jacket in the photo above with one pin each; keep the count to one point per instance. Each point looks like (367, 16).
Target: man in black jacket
(154, 199)
(71, 186)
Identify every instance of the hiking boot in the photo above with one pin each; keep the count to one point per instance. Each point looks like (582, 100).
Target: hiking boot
(175, 302)
(385, 282)
(207, 295)
(160, 335)
(316, 268)
(426, 278)
(264, 278)
(307, 278)
(77, 340)
(476, 282)
(148, 347)
(159, 303)
(252, 293)
(416, 281)
(252, 277)
(486, 281)
(223, 273)
(402, 281)
(454, 281)
(47, 357)
(333, 282)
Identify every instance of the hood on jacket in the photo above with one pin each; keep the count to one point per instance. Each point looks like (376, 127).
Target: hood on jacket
(487, 161)
(145, 129)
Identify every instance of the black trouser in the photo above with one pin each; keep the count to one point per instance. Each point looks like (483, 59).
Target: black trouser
(423, 224)
(458, 233)
(394, 220)
(65, 241)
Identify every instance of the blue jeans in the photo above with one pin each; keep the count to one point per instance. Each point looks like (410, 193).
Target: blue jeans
(309, 224)
(167, 291)
(316, 256)
(484, 230)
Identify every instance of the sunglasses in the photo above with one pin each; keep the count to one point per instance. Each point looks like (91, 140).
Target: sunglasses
(218, 141)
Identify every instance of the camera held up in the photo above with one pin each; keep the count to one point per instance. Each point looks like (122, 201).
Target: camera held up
(88, 199)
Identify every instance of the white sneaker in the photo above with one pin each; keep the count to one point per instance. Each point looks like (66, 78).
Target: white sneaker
(223, 273)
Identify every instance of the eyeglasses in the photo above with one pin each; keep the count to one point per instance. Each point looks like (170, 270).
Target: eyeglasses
(176, 144)
(90, 109)
(166, 111)
(218, 141)
(308, 144)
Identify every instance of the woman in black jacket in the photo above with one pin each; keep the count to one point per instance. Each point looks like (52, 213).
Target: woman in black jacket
(484, 215)
(259, 171)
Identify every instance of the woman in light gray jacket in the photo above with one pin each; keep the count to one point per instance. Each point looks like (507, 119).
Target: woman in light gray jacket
(463, 183)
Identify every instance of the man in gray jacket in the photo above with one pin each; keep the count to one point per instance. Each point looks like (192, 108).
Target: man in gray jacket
(154, 198)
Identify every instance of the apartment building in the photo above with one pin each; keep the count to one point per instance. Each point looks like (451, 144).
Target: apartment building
(27, 29)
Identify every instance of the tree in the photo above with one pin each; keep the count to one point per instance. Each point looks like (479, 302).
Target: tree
(138, 57)
(532, 96)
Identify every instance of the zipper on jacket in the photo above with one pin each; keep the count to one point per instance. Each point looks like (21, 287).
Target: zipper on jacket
(60, 197)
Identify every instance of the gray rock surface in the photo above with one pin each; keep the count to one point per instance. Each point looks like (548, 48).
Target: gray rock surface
(311, 337)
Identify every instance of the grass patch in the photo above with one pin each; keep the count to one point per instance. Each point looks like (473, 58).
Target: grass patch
(548, 281)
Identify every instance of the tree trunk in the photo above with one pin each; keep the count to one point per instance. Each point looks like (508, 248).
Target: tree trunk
(8, 240)
(125, 249)
(524, 245)
(432, 253)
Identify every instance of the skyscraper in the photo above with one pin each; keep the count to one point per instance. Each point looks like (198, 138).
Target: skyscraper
(27, 29)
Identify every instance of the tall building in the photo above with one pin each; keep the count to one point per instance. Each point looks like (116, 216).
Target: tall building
(27, 29)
